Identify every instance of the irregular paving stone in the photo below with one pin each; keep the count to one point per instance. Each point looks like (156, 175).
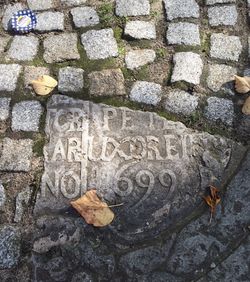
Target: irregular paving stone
(146, 92)
(137, 58)
(140, 30)
(8, 13)
(16, 155)
(4, 108)
(84, 16)
(126, 8)
(212, 2)
(8, 77)
(225, 47)
(219, 78)
(82, 276)
(220, 109)
(188, 67)
(183, 33)
(17, 50)
(181, 102)
(26, 116)
(22, 200)
(57, 48)
(181, 9)
(100, 44)
(48, 21)
(2, 195)
(10, 246)
(38, 5)
(3, 43)
(107, 83)
(32, 73)
(243, 128)
(71, 3)
(70, 80)
(222, 15)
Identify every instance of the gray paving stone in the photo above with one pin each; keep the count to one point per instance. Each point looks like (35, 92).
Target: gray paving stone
(181, 9)
(220, 109)
(8, 76)
(126, 8)
(38, 5)
(212, 2)
(70, 3)
(188, 67)
(100, 44)
(4, 108)
(48, 21)
(3, 43)
(222, 15)
(10, 246)
(16, 155)
(82, 276)
(8, 13)
(219, 77)
(140, 30)
(181, 102)
(22, 201)
(57, 48)
(70, 80)
(225, 47)
(19, 53)
(84, 16)
(2, 196)
(146, 92)
(183, 33)
(26, 116)
(137, 58)
(107, 83)
(32, 73)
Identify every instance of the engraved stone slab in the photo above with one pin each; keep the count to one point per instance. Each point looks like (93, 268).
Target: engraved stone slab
(158, 168)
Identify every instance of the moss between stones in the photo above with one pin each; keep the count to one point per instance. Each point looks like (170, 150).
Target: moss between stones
(39, 145)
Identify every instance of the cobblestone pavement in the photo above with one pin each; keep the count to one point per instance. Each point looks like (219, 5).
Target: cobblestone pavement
(145, 111)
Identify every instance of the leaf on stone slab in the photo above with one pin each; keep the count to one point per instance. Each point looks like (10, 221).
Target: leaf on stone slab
(246, 107)
(93, 210)
(212, 200)
(44, 84)
(242, 84)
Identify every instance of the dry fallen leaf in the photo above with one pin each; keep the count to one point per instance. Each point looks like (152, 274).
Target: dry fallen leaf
(242, 84)
(44, 84)
(93, 210)
(246, 107)
(212, 200)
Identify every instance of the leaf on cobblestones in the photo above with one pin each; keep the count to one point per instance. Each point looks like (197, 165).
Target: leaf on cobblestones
(246, 107)
(44, 84)
(93, 210)
(212, 200)
(242, 84)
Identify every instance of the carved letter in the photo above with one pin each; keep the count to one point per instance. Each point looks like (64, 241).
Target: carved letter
(75, 189)
(59, 150)
(125, 119)
(153, 142)
(46, 182)
(108, 114)
(74, 150)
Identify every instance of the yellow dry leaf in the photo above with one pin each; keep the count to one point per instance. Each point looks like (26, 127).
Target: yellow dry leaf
(242, 84)
(246, 107)
(44, 84)
(93, 210)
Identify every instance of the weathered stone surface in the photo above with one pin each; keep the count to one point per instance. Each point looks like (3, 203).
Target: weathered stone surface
(22, 201)
(23, 48)
(159, 168)
(146, 92)
(82, 276)
(2, 195)
(8, 77)
(8, 13)
(221, 77)
(107, 83)
(222, 15)
(140, 30)
(70, 80)
(126, 8)
(16, 155)
(10, 246)
(32, 73)
(71, 3)
(4, 108)
(100, 44)
(38, 5)
(181, 9)
(220, 109)
(57, 48)
(212, 2)
(3, 43)
(137, 58)
(48, 21)
(26, 116)
(188, 67)
(84, 16)
(181, 102)
(183, 33)
(225, 47)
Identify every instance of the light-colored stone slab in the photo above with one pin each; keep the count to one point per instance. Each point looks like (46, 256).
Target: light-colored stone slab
(84, 16)
(181, 9)
(125, 8)
(4, 108)
(222, 15)
(140, 30)
(137, 58)
(38, 5)
(49, 21)
(8, 13)
(70, 80)
(9, 75)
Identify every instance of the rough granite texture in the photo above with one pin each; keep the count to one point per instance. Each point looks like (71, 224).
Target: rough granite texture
(70, 80)
(140, 30)
(84, 16)
(49, 21)
(38, 5)
(126, 8)
(2, 196)
(212, 2)
(3, 43)
(4, 108)
(135, 59)
(222, 15)
(70, 3)
(32, 73)
(9, 75)
(10, 10)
